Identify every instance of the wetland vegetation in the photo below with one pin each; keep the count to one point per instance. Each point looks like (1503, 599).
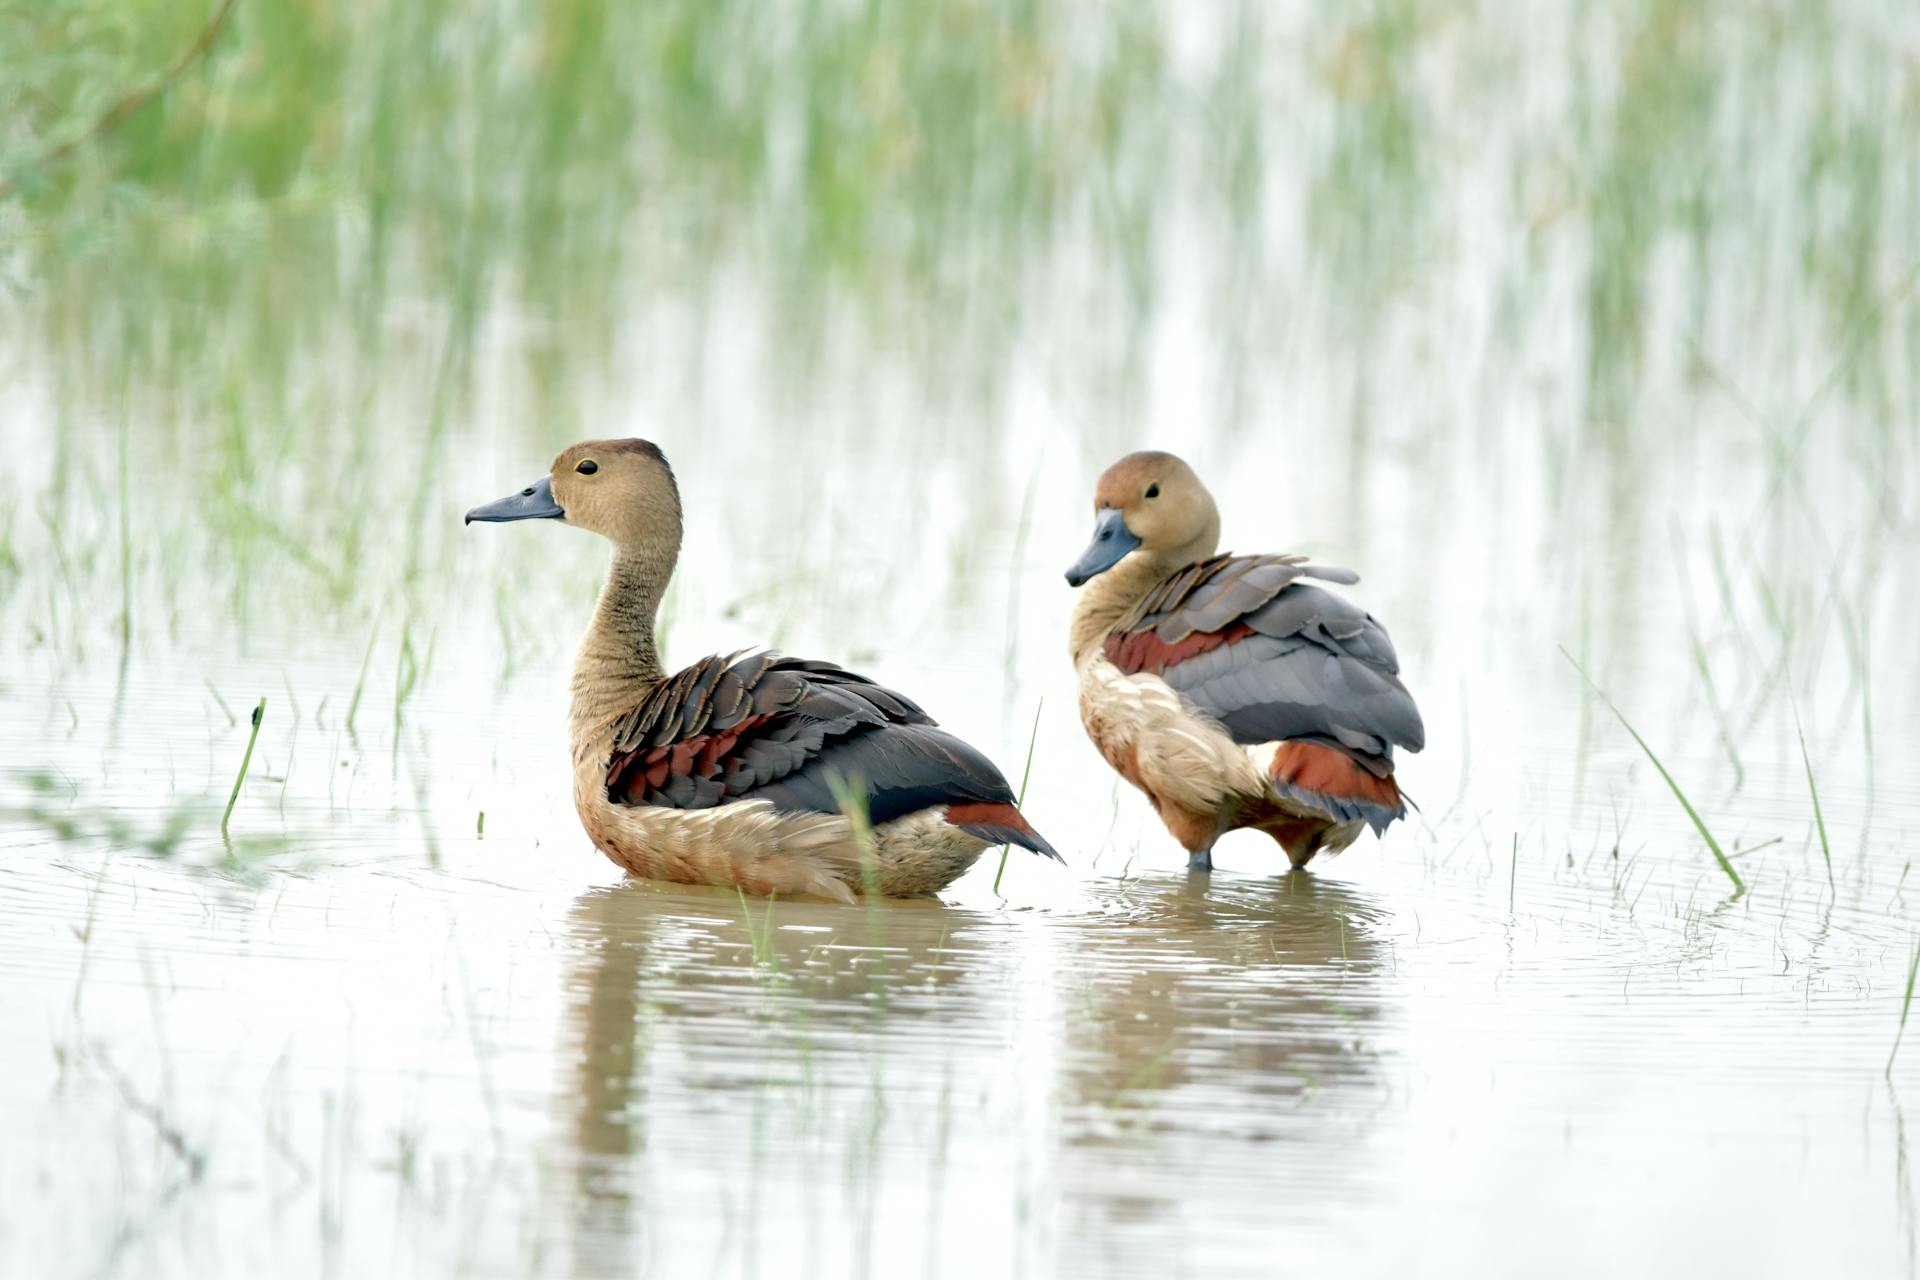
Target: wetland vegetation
(1591, 337)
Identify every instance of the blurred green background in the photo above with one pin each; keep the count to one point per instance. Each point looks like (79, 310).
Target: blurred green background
(1582, 325)
(336, 270)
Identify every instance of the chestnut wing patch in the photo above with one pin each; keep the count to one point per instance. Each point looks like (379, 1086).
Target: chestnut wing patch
(1137, 651)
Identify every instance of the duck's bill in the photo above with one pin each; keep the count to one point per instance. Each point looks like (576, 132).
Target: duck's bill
(535, 502)
(1112, 540)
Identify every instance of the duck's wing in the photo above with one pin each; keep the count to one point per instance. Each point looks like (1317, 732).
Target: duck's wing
(1273, 658)
(787, 730)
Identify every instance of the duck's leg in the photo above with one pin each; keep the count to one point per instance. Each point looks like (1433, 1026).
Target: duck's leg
(1300, 837)
(1196, 831)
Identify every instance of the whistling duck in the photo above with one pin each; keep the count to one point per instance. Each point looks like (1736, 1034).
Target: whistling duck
(726, 773)
(1229, 691)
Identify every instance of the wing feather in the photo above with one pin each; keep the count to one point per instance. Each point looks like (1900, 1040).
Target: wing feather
(1271, 657)
(764, 727)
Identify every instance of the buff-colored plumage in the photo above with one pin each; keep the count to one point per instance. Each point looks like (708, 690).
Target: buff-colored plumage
(732, 772)
(1199, 675)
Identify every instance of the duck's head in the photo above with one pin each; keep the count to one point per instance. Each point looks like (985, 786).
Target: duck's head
(1150, 504)
(621, 489)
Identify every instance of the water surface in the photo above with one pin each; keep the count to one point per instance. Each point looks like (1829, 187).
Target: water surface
(1590, 343)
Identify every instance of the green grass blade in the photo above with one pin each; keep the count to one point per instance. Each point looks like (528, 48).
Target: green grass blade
(1813, 789)
(1021, 799)
(1699, 823)
(850, 793)
(259, 714)
(360, 685)
(1513, 869)
(1906, 1007)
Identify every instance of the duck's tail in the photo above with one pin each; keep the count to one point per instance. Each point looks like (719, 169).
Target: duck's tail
(1000, 823)
(1347, 789)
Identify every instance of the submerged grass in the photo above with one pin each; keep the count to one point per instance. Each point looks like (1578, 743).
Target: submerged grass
(259, 714)
(1699, 823)
(163, 839)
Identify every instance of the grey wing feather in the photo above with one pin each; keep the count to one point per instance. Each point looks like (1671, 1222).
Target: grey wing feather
(1317, 666)
(1212, 594)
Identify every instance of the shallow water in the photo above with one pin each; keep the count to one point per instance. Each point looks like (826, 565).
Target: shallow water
(1564, 387)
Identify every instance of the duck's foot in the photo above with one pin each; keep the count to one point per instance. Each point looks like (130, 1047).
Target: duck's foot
(1201, 860)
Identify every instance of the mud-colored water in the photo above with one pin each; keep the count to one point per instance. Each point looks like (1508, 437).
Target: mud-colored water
(406, 1021)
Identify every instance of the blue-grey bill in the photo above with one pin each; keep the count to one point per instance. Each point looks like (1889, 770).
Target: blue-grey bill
(535, 502)
(1111, 542)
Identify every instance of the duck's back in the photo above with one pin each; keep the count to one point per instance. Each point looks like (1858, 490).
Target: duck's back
(1304, 681)
(802, 742)
(1270, 657)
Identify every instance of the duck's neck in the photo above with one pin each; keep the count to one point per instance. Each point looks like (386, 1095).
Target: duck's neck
(619, 660)
(1106, 599)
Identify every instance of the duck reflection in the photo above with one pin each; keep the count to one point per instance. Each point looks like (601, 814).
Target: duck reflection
(1214, 1026)
(1266, 987)
(718, 1005)
(797, 1065)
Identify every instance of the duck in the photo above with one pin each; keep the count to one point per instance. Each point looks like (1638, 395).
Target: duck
(776, 775)
(1231, 690)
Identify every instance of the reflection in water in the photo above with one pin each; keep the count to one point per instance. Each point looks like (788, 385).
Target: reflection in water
(1210, 1022)
(786, 1058)
(1179, 992)
(758, 1037)
(608, 1052)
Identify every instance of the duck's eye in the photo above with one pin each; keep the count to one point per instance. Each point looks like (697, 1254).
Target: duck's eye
(1153, 491)
(587, 466)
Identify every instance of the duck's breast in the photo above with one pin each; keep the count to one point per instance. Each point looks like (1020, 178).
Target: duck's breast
(1159, 742)
(750, 843)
